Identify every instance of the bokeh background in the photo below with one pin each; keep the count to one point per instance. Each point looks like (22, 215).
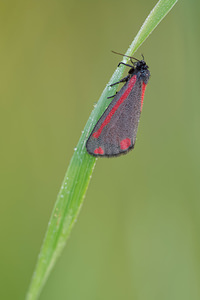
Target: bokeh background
(138, 233)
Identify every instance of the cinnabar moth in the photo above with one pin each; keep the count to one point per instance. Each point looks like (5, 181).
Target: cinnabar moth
(115, 132)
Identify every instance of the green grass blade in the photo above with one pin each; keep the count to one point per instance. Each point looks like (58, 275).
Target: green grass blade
(151, 22)
(79, 172)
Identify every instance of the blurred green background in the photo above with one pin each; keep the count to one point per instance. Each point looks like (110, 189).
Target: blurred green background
(137, 236)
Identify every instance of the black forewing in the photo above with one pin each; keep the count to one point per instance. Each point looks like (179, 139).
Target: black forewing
(123, 124)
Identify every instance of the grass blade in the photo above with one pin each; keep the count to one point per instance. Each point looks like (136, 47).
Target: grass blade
(79, 172)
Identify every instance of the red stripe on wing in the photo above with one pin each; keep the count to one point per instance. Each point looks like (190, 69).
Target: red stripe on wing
(143, 90)
(117, 105)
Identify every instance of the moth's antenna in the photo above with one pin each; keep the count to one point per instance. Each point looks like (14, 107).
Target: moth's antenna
(125, 55)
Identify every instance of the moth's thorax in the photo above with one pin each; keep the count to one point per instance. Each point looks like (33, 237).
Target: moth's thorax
(144, 75)
(141, 71)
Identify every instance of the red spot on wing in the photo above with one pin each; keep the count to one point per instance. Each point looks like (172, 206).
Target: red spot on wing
(125, 144)
(143, 90)
(98, 151)
(115, 108)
